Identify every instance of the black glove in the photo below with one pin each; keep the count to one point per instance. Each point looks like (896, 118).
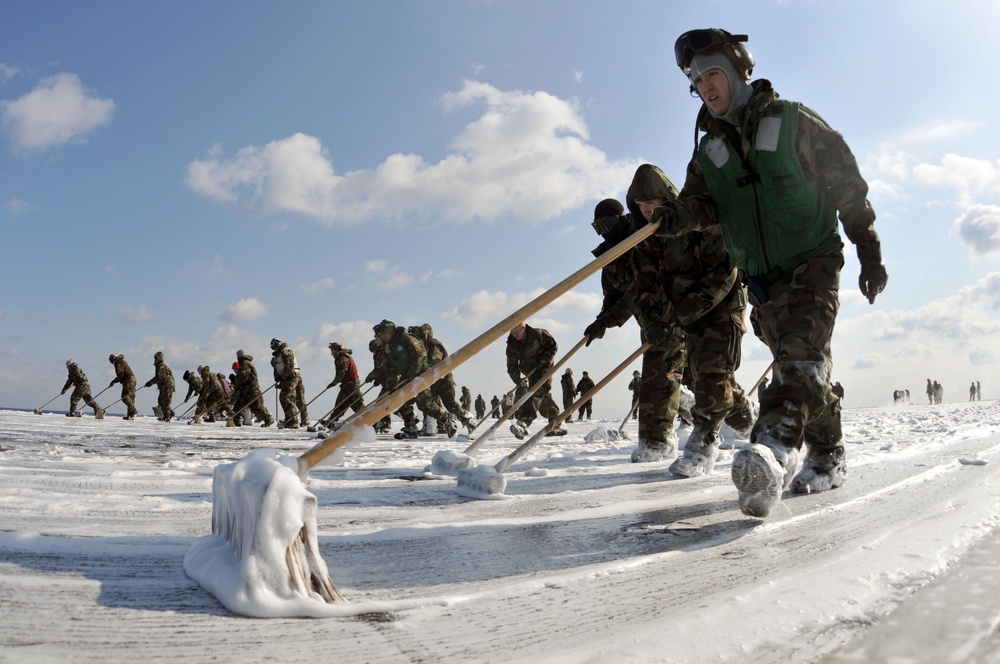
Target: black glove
(595, 330)
(655, 333)
(149, 382)
(111, 383)
(666, 214)
(331, 384)
(873, 276)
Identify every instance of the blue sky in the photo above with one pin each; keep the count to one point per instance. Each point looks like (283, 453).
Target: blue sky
(198, 177)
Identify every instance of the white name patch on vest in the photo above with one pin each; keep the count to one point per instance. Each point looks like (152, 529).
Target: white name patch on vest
(717, 152)
(768, 132)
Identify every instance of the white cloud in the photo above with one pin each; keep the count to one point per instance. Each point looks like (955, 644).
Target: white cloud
(17, 206)
(249, 308)
(484, 307)
(970, 177)
(526, 156)
(969, 317)
(139, 314)
(393, 278)
(7, 72)
(317, 287)
(978, 228)
(55, 112)
(354, 335)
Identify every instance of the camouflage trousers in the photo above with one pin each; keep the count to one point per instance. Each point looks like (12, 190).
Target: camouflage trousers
(163, 399)
(660, 391)
(569, 398)
(212, 403)
(253, 401)
(288, 397)
(714, 351)
(82, 392)
(798, 404)
(128, 395)
(300, 400)
(540, 403)
(444, 389)
(349, 397)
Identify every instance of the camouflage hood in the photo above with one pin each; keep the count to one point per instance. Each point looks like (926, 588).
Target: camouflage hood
(648, 182)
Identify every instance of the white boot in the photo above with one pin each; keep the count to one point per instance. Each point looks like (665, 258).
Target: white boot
(699, 454)
(519, 429)
(822, 470)
(761, 472)
(650, 451)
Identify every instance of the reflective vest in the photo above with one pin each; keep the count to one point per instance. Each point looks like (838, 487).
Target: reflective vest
(773, 217)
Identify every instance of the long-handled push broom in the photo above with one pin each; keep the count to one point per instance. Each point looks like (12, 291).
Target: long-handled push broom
(488, 481)
(262, 558)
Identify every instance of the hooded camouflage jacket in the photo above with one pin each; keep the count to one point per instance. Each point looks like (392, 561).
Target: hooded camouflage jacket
(823, 156)
(532, 357)
(194, 384)
(78, 379)
(123, 371)
(403, 356)
(247, 381)
(162, 375)
(682, 277)
(283, 363)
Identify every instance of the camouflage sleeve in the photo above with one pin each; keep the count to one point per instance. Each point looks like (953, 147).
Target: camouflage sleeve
(619, 303)
(418, 358)
(695, 210)
(651, 301)
(825, 155)
(549, 348)
(342, 365)
(513, 364)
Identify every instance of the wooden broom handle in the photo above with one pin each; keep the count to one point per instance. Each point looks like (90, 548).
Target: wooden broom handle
(369, 416)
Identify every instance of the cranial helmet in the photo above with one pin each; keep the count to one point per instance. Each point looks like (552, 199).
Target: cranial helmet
(709, 40)
(384, 326)
(336, 346)
(158, 357)
(71, 363)
(275, 342)
(239, 354)
(111, 358)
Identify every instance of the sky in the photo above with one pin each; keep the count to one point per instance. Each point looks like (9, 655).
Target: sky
(198, 178)
(585, 557)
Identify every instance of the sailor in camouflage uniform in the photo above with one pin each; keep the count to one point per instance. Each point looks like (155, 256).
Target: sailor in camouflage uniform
(81, 390)
(773, 176)
(286, 376)
(687, 284)
(404, 357)
(442, 390)
(530, 355)
(377, 377)
(213, 398)
(163, 378)
(349, 396)
(246, 391)
(193, 380)
(663, 363)
(125, 376)
(568, 386)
